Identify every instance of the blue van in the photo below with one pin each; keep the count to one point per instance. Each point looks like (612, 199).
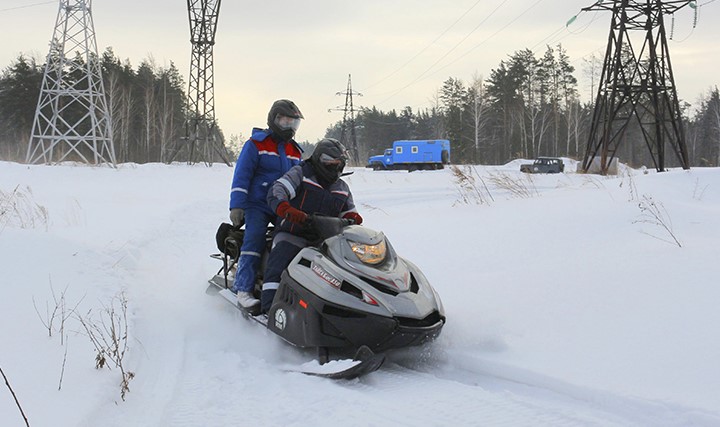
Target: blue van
(413, 155)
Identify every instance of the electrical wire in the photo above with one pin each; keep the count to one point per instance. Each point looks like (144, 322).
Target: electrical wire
(26, 6)
(487, 39)
(554, 34)
(453, 48)
(425, 48)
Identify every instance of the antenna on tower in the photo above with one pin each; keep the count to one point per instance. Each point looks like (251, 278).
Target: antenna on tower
(636, 83)
(201, 133)
(72, 117)
(348, 122)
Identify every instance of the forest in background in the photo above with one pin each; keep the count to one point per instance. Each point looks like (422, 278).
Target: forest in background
(148, 108)
(528, 106)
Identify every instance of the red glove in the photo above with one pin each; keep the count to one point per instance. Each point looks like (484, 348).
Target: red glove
(296, 216)
(354, 216)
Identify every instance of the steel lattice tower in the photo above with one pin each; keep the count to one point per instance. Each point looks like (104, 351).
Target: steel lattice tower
(348, 123)
(201, 128)
(72, 116)
(637, 83)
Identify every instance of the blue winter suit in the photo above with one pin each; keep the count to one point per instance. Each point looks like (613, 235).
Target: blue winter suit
(262, 160)
(303, 190)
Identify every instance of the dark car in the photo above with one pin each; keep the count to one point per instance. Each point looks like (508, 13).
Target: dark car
(544, 165)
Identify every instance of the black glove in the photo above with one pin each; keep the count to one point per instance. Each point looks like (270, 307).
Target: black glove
(237, 216)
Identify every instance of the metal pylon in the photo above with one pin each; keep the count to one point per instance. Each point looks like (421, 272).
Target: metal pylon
(348, 123)
(72, 120)
(201, 133)
(637, 84)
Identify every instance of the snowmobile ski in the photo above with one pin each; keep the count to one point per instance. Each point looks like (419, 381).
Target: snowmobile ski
(364, 362)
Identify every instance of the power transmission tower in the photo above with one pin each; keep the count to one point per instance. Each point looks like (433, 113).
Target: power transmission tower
(72, 116)
(636, 83)
(201, 134)
(348, 123)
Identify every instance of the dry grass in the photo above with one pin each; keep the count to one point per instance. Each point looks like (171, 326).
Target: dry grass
(19, 210)
(519, 186)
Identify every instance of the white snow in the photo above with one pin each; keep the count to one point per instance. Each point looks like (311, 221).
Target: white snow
(563, 308)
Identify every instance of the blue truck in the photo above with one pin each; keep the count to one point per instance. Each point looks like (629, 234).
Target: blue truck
(413, 155)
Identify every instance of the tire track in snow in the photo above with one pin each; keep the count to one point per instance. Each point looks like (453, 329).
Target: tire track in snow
(545, 400)
(479, 401)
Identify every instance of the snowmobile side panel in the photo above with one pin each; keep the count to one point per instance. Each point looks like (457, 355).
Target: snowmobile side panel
(305, 320)
(364, 361)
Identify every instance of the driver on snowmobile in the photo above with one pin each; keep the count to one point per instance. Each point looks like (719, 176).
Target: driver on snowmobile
(313, 187)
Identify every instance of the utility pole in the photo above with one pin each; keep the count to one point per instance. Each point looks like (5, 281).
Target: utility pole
(201, 135)
(348, 123)
(72, 120)
(636, 83)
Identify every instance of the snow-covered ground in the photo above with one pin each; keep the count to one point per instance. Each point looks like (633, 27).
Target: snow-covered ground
(571, 306)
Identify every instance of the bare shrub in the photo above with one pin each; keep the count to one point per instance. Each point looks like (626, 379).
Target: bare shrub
(518, 186)
(467, 178)
(58, 311)
(18, 209)
(17, 402)
(654, 213)
(108, 332)
(627, 175)
(698, 192)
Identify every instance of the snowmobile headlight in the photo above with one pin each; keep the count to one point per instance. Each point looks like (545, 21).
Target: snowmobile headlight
(369, 254)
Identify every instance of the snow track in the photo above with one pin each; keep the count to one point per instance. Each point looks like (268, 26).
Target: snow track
(501, 395)
(565, 352)
(209, 364)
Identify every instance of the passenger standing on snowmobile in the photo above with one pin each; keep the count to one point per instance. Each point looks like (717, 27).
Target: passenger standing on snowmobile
(265, 157)
(313, 187)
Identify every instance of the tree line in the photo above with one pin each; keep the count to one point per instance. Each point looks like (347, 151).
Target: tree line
(148, 108)
(528, 106)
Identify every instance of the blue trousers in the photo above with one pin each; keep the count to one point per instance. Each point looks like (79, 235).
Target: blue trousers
(282, 253)
(256, 223)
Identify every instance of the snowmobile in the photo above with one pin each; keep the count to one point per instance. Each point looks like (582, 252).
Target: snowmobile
(347, 293)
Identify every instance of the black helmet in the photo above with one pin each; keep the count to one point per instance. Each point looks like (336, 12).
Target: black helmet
(284, 119)
(329, 159)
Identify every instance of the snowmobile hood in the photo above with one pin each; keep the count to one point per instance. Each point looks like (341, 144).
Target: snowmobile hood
(389, 273)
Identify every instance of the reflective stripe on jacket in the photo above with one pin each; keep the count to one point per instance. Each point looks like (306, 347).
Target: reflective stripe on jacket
(301, 189)
(262, 160)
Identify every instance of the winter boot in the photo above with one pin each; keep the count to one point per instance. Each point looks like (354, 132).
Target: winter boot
(246, 299)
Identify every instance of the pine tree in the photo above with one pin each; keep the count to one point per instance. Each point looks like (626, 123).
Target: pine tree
(19, 91)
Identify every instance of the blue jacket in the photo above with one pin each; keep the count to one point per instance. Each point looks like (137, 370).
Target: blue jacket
(262, 160)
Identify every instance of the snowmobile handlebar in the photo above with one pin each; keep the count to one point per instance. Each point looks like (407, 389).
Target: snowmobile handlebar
(321, 227)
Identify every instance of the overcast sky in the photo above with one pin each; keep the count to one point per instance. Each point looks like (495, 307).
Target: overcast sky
(398, 52)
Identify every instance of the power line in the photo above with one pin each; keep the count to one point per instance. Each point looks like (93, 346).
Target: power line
(26, 6)
(425, 48)
(569, 33)
(490, 37)
(448, 52)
